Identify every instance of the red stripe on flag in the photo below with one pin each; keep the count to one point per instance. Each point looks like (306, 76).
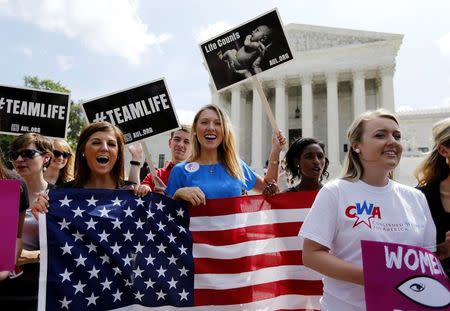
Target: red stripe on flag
(254, 203)
(248, 294)
(248, 263)
(250, 233)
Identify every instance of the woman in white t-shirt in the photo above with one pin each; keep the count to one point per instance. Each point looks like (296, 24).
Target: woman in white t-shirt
(365, 204)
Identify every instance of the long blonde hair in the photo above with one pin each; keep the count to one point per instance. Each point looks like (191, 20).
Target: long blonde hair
(227, 149)
(353, 169)
(434, 167)
(66, 173)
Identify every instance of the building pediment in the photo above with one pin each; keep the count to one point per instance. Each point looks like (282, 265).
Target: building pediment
(307, 37)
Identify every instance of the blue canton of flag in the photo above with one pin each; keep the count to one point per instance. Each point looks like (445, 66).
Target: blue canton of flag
(108, 249)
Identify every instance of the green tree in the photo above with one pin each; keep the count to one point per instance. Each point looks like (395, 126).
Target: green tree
(76, 118)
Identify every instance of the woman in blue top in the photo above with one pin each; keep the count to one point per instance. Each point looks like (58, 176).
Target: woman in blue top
(214, 169)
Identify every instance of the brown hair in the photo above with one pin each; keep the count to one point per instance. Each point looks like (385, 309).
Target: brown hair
(82, 170)
(42, 144)
(184, 128)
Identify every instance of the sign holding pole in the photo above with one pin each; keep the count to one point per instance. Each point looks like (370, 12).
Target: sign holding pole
(25, 110)
(245, 51)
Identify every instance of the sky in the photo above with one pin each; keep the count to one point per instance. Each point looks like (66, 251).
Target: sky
(96, 47)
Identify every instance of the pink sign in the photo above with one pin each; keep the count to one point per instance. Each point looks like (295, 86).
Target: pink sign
(401, 277)
(9, 198)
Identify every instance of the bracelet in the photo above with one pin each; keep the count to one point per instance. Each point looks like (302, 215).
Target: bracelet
(135, 163)
(276, 162)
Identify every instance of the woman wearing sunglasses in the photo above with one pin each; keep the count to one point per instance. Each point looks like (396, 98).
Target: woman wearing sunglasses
(60, 169)
(30, 154)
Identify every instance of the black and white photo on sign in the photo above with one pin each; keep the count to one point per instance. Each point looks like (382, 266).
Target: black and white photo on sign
(140, 112)
(249, 49)
(26, 110)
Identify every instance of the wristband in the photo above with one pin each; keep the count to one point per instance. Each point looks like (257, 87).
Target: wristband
(137, 163)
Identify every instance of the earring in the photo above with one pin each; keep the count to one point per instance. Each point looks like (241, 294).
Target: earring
(44, 169)
(82, 155)
(357, 150)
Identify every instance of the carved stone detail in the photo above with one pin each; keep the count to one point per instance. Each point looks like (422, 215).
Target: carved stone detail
(309, 40)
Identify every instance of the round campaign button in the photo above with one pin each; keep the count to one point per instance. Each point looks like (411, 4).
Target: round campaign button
(192, 167)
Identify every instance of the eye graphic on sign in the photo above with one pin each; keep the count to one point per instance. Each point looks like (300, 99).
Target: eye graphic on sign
(425, 291)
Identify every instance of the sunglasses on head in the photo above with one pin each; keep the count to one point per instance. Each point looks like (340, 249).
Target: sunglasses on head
(24, 153)
(58, 154)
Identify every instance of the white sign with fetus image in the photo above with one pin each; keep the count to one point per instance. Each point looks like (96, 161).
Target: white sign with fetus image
(258, 45)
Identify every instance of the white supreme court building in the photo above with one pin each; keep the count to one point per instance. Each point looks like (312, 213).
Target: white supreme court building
(336, 75)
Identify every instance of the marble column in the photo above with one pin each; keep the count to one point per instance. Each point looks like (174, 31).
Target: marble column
(236, 113)
(387, 88)
(281, 105)
(307, 106)
(257, 129)
(359, 93)
(333, 123)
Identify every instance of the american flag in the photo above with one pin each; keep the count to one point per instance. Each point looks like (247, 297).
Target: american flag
(108, 249)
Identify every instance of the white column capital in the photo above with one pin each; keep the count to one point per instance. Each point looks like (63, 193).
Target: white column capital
(306, 78)
(331, 76)
(387, 70)
(358, 74)
(280, 82)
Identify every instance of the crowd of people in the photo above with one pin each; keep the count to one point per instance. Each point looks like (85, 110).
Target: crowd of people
(205, 165)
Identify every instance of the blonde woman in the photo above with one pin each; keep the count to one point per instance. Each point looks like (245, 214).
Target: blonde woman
(214, 169)
(60, 169)
(363, 205)
(434, 181)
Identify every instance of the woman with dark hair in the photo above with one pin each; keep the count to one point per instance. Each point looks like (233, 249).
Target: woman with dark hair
(99, 163)
(60, 169)
(23, 205)
(30, 155)
(434, 181)
(305, 164)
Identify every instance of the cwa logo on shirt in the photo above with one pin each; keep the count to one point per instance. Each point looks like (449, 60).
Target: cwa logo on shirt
(363, 213)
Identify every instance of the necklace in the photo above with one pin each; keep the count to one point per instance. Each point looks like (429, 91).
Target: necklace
(211, 169)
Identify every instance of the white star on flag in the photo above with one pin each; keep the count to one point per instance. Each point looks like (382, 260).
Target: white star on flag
(66, 249)
(117, 295)
(65, 201)
(91, 224)
(92, 299)
(65, 303)
(104, 212)
(79, 287)
(64, 224)
(116, 201)
(91, 201)
(128, 212)
(160, 206)
(78, 212)
(139, 201)
(65, 275)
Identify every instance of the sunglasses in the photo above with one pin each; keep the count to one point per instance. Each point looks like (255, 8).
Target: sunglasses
(58, 154)
(25, 154)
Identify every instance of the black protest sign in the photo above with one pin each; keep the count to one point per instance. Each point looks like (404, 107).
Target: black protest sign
(24, 110)
(254, 47)
(140, 112)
